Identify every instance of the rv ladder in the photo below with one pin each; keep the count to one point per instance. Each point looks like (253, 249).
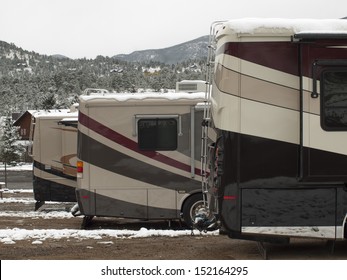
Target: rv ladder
(206, 123)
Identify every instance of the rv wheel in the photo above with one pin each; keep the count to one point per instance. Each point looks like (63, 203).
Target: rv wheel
(191, 207)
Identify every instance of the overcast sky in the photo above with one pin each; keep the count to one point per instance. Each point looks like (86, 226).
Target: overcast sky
(87, 28)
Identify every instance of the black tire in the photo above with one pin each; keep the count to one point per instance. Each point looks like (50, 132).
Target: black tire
(191, 207)
(86, 222)
(38, 204)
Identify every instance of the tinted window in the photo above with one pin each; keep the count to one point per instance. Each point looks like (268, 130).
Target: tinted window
(334, 100)
(157, 134)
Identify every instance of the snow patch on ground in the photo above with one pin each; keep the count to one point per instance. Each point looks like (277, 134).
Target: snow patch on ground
(10, 236)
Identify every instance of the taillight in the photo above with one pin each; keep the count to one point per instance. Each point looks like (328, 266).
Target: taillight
(79, 169)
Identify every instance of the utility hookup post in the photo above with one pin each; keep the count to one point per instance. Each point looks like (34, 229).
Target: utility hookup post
(5, 174)
(3, 185)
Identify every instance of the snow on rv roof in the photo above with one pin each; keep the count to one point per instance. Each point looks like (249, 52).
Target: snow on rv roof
(293, 26)
(122, 97)
(53, 113)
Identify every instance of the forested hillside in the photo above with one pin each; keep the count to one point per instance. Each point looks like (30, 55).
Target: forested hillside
(29, 80)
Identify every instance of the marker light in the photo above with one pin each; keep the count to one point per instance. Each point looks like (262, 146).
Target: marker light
(79, 169)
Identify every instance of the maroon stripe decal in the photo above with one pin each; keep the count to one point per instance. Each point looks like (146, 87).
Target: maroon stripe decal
(284, 56)
(130, 144)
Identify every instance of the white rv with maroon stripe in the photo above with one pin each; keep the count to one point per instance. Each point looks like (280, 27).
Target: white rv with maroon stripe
(139, 155)
(54, 149)
(279, 109)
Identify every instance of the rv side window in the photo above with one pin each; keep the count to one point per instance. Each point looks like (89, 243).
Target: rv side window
(157, 134)
(334, 100)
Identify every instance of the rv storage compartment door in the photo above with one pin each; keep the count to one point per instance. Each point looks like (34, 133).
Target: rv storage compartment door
(300, 212)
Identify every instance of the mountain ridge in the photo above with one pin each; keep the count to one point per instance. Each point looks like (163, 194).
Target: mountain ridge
(193, 49)
(190, 50)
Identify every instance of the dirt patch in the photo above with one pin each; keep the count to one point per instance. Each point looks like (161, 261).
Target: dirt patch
(189, 247)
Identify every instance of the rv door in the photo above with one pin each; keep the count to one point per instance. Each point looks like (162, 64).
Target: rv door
(323, 129)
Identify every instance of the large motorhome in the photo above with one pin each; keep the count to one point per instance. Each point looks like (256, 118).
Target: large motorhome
(139, 156)
(279, 108)
(54, 148)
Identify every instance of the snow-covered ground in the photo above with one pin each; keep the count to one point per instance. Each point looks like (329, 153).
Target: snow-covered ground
(38, 236)
(19, 167)
(10, 236)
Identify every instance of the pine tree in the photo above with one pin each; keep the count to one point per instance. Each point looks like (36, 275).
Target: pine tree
(48, 101)
(10, 150)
